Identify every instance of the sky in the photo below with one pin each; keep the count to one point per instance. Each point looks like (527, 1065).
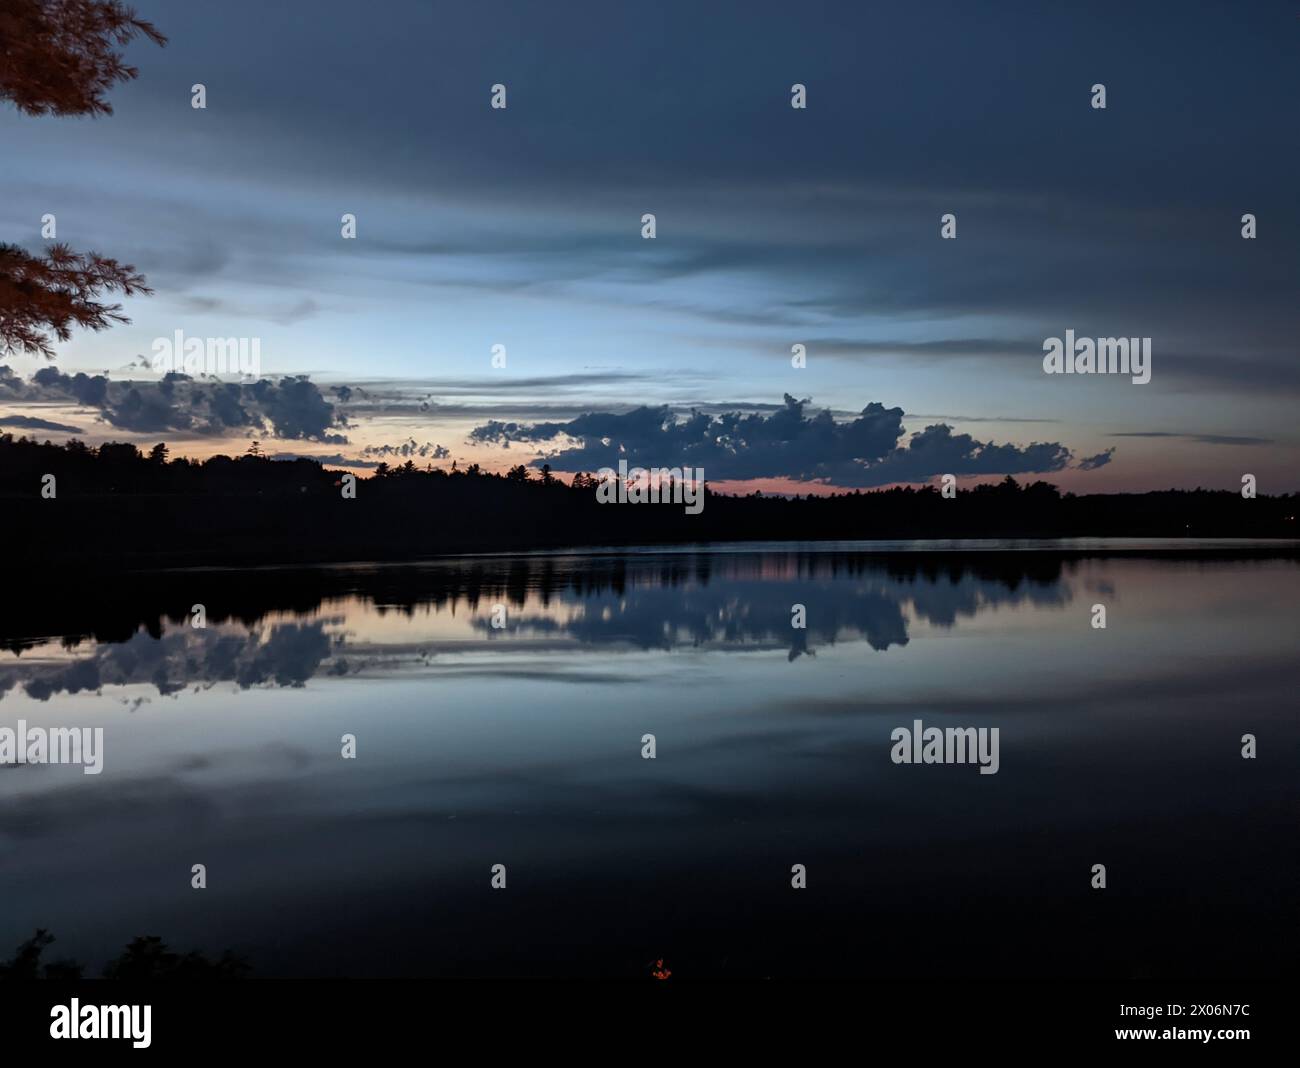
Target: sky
(775, 226)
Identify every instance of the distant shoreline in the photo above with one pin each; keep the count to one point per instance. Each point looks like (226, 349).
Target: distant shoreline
(115, 509)
(1074, 548)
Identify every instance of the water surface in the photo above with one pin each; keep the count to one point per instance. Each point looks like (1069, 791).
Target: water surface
(521, 746)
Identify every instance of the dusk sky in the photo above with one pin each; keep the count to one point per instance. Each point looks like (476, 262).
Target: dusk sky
(775, 226)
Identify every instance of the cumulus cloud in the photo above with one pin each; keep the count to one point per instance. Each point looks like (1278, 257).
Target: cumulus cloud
(1091, 463)
(864, 451)
(291, 407)
(409, 449)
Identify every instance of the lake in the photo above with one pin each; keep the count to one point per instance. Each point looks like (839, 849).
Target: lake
(521, 744)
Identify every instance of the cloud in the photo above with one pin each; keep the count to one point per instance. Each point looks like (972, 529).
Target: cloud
(291, 408)
(863, 451)
(295, 408)
(1202, 439)
(409, 449)
(285, 314)
(846, 243)
(88, 390)
(983, 418)
(25, 422)
(1091, 463)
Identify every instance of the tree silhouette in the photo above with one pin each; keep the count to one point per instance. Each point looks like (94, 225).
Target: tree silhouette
(60, 57)
(256, 510)
(146, 957)
(48, 295)
(26, 962)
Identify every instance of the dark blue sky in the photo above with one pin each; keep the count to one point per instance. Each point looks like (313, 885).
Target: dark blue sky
(521, 227)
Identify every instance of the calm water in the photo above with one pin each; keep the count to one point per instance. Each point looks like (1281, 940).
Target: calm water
(522, 746)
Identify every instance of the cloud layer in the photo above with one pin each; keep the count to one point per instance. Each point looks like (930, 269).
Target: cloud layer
(291, 408)
(864, 451)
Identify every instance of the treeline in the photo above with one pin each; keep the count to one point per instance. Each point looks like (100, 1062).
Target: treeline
(146, 958)
(144, 509)
(120, 467)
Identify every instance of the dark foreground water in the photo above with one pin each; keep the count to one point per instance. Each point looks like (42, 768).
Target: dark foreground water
(522, 746)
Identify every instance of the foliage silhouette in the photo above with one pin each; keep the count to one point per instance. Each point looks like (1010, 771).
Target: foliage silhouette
(51, 293)
(145, 958)
(117, 508)
(60, 57)
(26, 962)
